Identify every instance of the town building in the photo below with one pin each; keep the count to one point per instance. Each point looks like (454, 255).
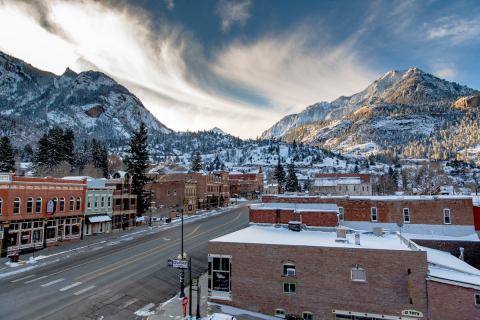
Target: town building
(339, 184)
(174, 193)
(124, 202)
(427, 215)
(36, 212)
(99, 210)
(339, 274)
(246, 185)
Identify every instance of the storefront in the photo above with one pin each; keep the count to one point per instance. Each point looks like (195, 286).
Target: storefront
(98, 224)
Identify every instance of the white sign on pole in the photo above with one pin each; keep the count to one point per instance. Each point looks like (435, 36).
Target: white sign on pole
(180, 264)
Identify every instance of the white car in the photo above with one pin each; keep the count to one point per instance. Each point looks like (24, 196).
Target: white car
(221, 316)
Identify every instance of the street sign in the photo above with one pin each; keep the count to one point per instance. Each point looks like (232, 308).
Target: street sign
(180, 264)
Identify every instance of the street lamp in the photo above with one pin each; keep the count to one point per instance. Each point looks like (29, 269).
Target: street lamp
(182, 272)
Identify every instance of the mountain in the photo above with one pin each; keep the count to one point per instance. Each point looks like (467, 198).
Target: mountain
(217, 130)
(400, 110)
(90, 103)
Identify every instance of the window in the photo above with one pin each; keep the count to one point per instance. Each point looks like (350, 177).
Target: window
(289, 270)
(109, 202)
(289, 287)
(219, 273)
(62, 204)
(96, 202)
(89, 202)
(341, 212)
(1, 206)
(103, 202)
(447, 219)
(29, 205)
(477, 299)
(38, 205)
(72, 203)
(16, 206)
(358, 274)
(307, 316)
(79, 204)
(406, 215)
(280, 313)
(373, 213)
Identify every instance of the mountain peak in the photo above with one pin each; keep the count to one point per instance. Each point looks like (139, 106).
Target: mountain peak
(217, 130)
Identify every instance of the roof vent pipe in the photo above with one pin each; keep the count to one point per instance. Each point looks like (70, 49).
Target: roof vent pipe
(462, 256)
(357, 238)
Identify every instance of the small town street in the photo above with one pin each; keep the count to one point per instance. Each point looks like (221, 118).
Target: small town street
(121, 281)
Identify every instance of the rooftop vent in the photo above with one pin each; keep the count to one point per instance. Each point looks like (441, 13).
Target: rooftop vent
(378, 231)
(341, 235)
(295, 226)
(357, 238)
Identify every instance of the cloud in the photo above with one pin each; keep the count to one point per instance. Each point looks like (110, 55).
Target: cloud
(233, 12)
(293, 70)
(454, 29)
(445, 70)
(170, 4)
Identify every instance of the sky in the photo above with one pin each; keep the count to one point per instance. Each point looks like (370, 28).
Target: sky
(242, 65)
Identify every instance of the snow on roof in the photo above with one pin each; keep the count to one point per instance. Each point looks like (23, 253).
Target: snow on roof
(298, 207)
(268, 234)
(444, 266)
(332, 182)
(379, 198)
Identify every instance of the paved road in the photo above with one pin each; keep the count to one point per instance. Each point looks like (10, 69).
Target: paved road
(113, 282)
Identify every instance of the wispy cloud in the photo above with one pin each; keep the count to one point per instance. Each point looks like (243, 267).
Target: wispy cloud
(445, 70)
(455, 29)
(292, 70)
(233, 12)
(170, 4)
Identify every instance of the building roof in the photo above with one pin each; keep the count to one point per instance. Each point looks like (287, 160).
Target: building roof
(333, 182)
(297, 207)
(379, 198)
(269, 234)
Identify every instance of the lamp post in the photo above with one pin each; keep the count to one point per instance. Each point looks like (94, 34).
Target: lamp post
(182, 272)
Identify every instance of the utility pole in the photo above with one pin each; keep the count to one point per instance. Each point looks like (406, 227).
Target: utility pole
(190, 288)
(182, 271)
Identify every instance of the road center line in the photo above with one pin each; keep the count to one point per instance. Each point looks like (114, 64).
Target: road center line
(73, 285)
(129, 302)
(83, 290)
(24, 278)
(36, 279)
(48, 284)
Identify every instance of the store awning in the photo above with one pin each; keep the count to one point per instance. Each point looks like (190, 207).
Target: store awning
(97, 219)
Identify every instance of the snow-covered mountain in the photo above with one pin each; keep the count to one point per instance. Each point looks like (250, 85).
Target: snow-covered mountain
(90, 103)
(400, 108)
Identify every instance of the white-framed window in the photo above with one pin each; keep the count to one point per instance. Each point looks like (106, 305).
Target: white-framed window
(109, 201)
(447, 216)
(219, 270)
(38, 205)
(78, 204)
(1, 207)
(306, 315)
(29, 205)
(373, 214)
(341, 213)
(406, 215)
(89, 202)
(477, 299)
(96, 202)
(279, 313)
(289, 270)
(358, 274)
(72, 204)
(62, 205)
(16, 205)
(289, 287)
(103, 202)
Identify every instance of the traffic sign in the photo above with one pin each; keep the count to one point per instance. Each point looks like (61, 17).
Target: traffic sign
(180, 264)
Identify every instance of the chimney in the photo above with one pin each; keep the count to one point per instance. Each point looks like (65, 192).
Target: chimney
(357, 238)
(295, 226)
(462, 256)
(378, 231)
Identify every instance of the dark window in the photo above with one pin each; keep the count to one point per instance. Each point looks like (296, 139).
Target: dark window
(16, 206)
(289, 270)
(220, 274)
(72, 204)
(289, 287)
(29, 205)
(78, 204)
(307, 316)
(62, 204)
(38, 205)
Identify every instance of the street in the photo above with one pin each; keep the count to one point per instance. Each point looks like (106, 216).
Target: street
(114, 282)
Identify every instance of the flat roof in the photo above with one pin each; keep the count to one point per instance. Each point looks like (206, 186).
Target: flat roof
(269, 234)
(297, 207)
(377, 198)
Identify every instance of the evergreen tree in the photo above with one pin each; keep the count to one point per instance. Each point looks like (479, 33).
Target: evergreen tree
(27, 153)
(196, 161)
(307, 185)
(279, 175)
(100, 157)
(7, 160)
(69, 146)
(291, 184)
(137, 163)
(42, 157)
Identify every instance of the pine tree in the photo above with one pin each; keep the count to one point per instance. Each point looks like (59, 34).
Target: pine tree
(27, 153)
(196, 161)
(137, 163)
(69, 146)
(7, 160)
(42, 157)
(307, 185)
(291, 184)
(100, 157)
(279, 175)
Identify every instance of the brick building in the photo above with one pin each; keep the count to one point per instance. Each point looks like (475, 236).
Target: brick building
(339, 184)
(310, 214)
(173, 193)
(36, 212)
(328, 274)
(247, 185)
(433, 215)
(124, 202)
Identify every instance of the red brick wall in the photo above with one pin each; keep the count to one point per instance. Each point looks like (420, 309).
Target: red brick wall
(317, 219)
(448, 302)
(471, 249)
(476, 217)
(389, 210)
(323, 279)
